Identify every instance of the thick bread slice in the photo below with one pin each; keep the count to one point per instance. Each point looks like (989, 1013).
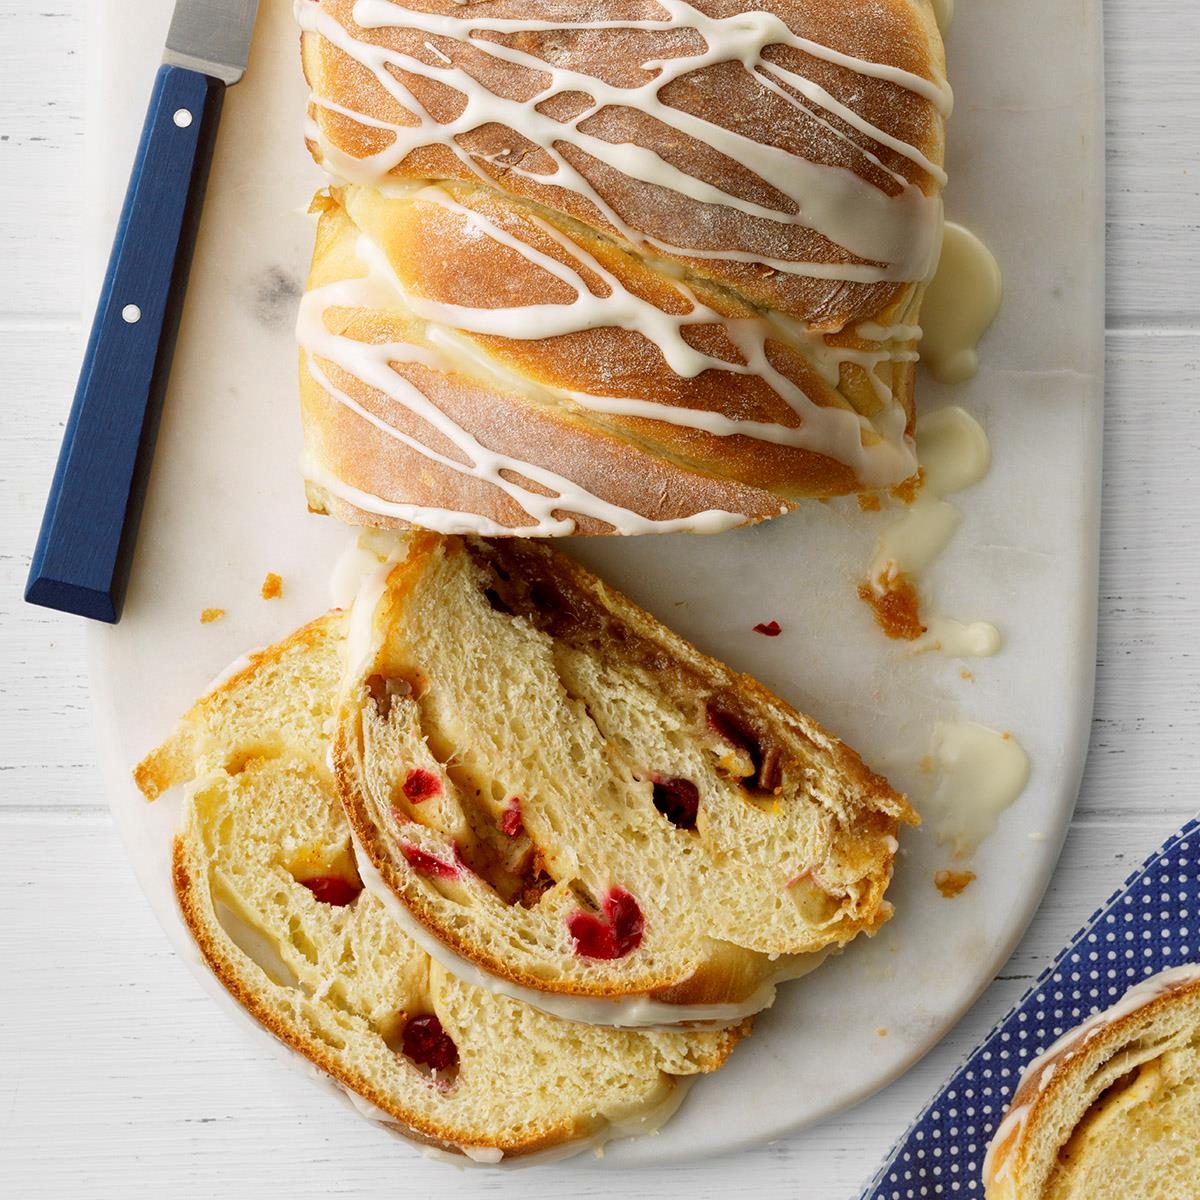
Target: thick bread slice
(571, 799)
(337, 979)
(1112, 1110)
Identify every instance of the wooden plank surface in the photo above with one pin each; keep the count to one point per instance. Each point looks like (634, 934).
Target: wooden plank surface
(117, 1074)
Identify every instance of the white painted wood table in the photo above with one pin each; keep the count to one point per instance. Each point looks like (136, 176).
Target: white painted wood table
(118, 1077)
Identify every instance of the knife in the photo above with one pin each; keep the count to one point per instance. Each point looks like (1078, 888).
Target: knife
(85, 547)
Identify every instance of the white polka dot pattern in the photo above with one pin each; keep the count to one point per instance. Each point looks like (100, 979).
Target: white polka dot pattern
(1147, 926)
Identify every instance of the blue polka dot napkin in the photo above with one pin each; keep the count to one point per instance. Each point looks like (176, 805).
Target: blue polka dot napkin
(1151, 922)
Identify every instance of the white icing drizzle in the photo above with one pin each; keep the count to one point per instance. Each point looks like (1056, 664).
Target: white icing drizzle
(883, 458)
(898, 232)
(898, 235)
(366, 551)
(954, 453)
(981, 773)
(371, 363)
(976, 639)
(1046, 1064)
(960, 305)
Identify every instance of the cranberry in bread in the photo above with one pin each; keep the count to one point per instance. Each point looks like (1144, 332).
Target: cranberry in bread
(269, 886)
(563, 800)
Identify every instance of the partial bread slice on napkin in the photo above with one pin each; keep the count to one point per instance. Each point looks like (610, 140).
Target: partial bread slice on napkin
(268, 884)
(1112, 1110)
(557, 792)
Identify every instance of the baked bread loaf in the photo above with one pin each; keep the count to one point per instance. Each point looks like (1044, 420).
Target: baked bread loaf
(267, 882)
(1112, 1110)
(562, 798)
(633, 266)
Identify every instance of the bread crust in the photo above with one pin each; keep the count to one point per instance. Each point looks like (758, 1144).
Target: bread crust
(603, 406)
(899, 33)
(1049, 1079)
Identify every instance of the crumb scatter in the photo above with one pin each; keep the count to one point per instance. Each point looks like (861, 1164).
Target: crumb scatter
(953, 883)
(896, 608)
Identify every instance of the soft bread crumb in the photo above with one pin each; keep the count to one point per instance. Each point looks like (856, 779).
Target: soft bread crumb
(266, 878)
(272, 587)
(772, 796)
(953, 883)
(209, 615)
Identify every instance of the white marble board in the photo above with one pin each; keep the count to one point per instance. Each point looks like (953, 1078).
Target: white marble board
(226, 506)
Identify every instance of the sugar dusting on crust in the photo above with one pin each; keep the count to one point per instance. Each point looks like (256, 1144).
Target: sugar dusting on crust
(799, 169)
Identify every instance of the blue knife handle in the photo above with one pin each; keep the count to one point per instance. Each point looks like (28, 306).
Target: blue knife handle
(81, 563)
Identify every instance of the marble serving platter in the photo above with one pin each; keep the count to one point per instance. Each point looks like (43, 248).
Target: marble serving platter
(226, 506)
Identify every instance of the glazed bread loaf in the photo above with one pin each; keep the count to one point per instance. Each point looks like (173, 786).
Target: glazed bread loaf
(268, 885)
(560, 797)
(1112, 1110)
(641, 265)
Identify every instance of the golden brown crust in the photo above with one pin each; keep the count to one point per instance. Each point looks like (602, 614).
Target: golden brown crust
(622, 363)
(1040, 1093)
(358, 454)
(656, 469)
(520, 396)
(898, 33)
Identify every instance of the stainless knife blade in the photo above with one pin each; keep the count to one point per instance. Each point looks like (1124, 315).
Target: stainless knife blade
(212, 36)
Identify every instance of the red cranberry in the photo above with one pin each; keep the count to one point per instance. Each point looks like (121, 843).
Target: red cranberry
(512, 824)
(619, 933)
(333, 889)
(426, 864)
(421, 785)
(678, 800)
(428, 1044)
(769, 629)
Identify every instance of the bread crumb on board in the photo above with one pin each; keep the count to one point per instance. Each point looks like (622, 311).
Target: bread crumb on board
(272, 587)
(953, 883)
(209, 615)
(910, 489)
(896, 607)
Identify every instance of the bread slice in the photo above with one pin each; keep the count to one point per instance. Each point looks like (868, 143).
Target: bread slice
(1112, 1110)
(559, 794)
(268, 885)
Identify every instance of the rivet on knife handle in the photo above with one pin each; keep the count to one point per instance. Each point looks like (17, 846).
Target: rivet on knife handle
(81, 563)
